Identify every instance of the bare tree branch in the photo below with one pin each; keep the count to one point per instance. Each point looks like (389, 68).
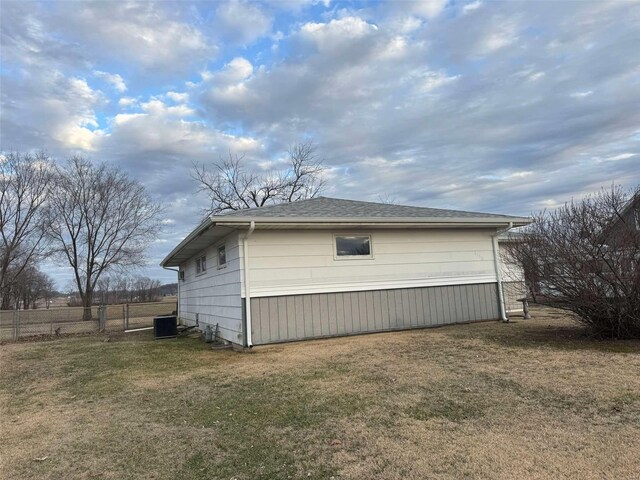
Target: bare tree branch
(230, 186)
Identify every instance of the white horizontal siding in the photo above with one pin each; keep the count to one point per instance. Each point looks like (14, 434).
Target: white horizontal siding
(214, 296)
(513, 284)
(287, 262)
(510, 270)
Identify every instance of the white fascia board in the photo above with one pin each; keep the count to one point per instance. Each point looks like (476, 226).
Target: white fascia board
(380, 222)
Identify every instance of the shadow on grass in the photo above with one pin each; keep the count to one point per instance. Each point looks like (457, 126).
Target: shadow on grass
(550, 332)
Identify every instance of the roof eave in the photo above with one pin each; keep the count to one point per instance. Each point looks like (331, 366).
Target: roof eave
(434, 221)
(199, 230)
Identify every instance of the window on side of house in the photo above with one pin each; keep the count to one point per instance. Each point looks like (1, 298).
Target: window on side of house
(201, 264)
(357, 246)
(222, 256)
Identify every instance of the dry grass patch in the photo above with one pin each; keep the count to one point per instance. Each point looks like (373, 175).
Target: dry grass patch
(530, 399)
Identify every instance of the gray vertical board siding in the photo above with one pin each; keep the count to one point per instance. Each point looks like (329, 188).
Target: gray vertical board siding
(299, 308)
(283, 315)
(297, 317)
(340, 316)
(273, 318)
(384, 307)
(331, 312)
(307, 317)
(291, 313)
(377, 310)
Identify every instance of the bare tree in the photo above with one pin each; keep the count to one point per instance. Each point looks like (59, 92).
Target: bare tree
(231, 186)
(24, 187)
(99, 218)
(585, 257)
(387, 199)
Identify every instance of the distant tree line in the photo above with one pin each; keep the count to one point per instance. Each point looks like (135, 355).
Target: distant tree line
(119, 288)
(27, 289)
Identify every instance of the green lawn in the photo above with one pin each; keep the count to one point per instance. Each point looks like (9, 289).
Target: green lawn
(529, 399)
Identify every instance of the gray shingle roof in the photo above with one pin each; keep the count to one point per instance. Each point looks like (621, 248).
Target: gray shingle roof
(323, 207)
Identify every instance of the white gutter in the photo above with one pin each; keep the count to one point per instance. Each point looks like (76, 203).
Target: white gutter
(247, 291)
(332, 221)
(496, 262)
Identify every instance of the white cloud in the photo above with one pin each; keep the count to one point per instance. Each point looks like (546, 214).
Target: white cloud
(227, 85)
(435, 80)
(178, 97)
(502, 33)
(241, 22)
(113, 78)
(469, 7)
(159, 108)
(335, 34)
(621, 156)
(426, 8)
(127, 101)
(581, 94)
(75, 127)
(151, 36)
(122, 118)
(407, 24)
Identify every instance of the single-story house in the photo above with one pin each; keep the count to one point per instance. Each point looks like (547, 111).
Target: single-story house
(328, 267)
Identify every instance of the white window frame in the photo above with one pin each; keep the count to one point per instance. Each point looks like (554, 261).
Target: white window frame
(221, 265)
(352, 257)
(200, 264)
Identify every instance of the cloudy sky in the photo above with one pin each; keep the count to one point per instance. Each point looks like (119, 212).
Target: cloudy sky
(505, 107)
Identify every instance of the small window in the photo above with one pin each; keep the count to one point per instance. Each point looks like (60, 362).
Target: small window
(356, 246)
(222, 256)
(201, 264)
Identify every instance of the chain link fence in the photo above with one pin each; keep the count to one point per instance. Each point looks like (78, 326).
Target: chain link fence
(16, 324)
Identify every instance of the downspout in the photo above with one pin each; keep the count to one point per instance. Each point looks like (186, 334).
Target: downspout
(247, 291)
(178, 272)
(496, 262)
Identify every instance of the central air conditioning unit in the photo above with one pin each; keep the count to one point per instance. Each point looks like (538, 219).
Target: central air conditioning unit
(165, 326)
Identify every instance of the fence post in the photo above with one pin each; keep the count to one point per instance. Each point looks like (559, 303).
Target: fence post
(17, 323)
(124, 318)
(127, 318)
(51, 322)
(101, 318)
